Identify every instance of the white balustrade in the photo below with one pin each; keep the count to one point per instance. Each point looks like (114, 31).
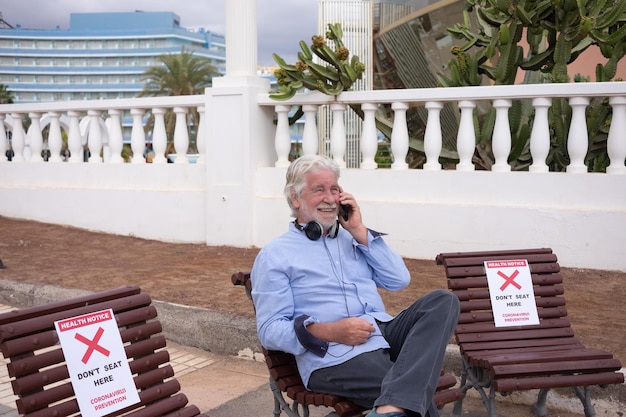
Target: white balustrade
(282, 139)
(116, 139)
(399, 136)
(138, 137)
(466, 137)
(540, 135)
(18, 140)
(369, 137)
(310, 144)
(159, 136)
(433, 141)
(616, 142)
(181, 135)
(55, 140)
(35, 138)
(501, 141)
(338, 134)
(578, 138)
(94, 137)
(27, 146)
(74, 139)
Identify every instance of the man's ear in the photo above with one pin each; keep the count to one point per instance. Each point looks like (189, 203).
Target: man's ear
(294, 200)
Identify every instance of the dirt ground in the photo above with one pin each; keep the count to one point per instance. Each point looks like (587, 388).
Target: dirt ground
(199, 275)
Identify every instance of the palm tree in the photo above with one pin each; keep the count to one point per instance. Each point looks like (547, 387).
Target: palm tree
(178, 75)
(6, 96)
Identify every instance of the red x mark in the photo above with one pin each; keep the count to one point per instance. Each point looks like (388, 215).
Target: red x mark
(509, 280)
(92, 344)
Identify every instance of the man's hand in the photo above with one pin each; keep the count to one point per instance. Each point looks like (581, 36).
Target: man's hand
(351, 331)
(354, 224)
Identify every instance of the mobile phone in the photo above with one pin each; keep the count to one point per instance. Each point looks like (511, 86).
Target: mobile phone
(345, 211)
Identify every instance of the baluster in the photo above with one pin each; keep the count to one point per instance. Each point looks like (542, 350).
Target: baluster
(310, 144)
(282, 140)
(55, 140)
(94, 139)
(369, 137)
(338, 134)
(35, 138)
(4, 146)
(74, 141)
(18, 139)
(181, 136)
(578, 138)
(540, 135)
(138, 137)
(466, 137)
(616, 142)
(201, 138)
(159, 136)
(116, 139)
(399, 136)
(501, 140)
(432, 136)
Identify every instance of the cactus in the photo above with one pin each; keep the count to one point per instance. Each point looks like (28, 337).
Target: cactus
(557, 32)
(335, 73)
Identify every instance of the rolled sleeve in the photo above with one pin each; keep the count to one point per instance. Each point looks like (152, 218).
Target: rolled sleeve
(311, 343)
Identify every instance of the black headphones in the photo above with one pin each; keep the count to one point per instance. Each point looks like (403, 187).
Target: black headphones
(314, 230)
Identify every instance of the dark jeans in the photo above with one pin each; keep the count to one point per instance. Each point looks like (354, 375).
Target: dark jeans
(406, 374)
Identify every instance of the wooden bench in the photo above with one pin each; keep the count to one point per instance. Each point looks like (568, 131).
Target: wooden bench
(506, 359)
(285, 378)
(36, 363)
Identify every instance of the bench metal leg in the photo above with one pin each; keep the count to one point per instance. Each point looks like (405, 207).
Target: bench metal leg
(281, 405)
(540, 408)
(584, 394)
(458, 405)
(473, 378)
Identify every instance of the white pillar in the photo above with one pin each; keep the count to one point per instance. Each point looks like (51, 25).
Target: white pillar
(35, 138)
(433, 141)
(138, 137)
(241, 38)
(18, 140)
(55, 139)
(578, 138)
(399, 136)
(466, 137)
(540, 135)
(501, 139)
(116, 138)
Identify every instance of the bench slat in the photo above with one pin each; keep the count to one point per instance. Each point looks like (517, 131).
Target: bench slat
(558, 381)
(556, 367)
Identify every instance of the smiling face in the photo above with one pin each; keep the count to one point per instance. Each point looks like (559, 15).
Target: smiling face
(319, 200)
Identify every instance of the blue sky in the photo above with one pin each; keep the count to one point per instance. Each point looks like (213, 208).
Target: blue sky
(281, 23)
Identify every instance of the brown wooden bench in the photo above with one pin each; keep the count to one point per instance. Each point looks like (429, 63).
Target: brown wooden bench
(285, 378)
(506, 359)
(40, 377)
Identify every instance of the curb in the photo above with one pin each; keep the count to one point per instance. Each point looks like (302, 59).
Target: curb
(230, 334)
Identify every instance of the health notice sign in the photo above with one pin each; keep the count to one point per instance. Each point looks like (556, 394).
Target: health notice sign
(511, 292)
(97, 363)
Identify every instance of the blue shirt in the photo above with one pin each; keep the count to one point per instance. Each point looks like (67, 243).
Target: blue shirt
(297, 281)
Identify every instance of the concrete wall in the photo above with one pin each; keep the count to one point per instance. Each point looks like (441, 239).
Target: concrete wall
(582, 217)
